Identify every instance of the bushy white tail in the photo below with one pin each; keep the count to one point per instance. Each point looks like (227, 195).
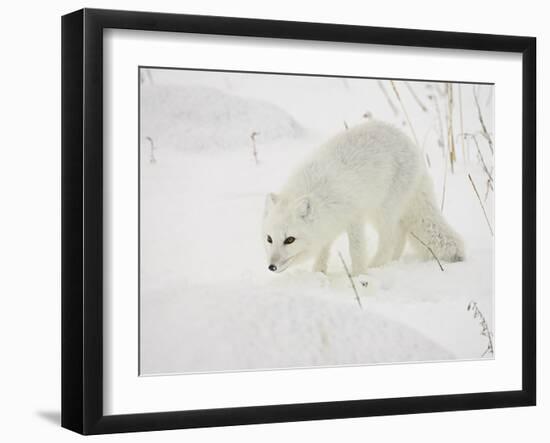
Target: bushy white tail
(424, 219)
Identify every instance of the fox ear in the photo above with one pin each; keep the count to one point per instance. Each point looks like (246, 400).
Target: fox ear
(270, 201)
(303, 209)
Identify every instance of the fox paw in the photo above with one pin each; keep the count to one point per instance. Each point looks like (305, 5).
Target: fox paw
(321, 278)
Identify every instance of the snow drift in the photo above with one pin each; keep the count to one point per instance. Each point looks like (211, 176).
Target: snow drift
(197, 118)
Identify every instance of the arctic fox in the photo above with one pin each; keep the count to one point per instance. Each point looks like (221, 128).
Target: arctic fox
(370, 173)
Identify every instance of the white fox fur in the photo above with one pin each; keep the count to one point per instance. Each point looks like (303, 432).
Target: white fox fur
(370, 173)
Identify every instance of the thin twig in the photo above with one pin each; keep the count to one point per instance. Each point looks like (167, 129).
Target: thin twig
(254, 150)
(418, 101)
(152, 158)
(388, 99)
(481, 204)
(482, 160)
(350, 279)
(482, 122)
(429, 249)
(404, 111)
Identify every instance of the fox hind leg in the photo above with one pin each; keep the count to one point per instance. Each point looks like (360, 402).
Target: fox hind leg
(357, 248)
(401, 240)
(387, 244)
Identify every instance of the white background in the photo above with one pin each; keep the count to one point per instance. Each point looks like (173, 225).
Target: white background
(30, 222)
(123, 51)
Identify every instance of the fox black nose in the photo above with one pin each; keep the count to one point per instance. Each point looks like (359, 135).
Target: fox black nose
(272, 268)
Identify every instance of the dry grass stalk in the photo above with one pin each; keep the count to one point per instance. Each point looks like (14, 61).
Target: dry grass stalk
(482, 160)
(429, 249)
(428, 162)
(488, 188)
(485, 331)
(350, 279)
(441, 90)
(254, 150)
(450, 132)
(416, 98)
(444, 186)
(484, 131)
(388, 98)
(367, 115)
(439, 122)
(404, 111)
(146, 75)
(461, 123)
(152, 158)
(441, 144)
(481, 204)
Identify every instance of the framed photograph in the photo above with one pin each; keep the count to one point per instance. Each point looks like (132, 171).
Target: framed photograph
(269, 221)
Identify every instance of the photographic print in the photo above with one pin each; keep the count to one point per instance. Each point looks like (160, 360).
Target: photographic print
(299, 221)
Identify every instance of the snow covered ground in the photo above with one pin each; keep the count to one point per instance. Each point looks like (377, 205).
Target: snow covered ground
(208, 302)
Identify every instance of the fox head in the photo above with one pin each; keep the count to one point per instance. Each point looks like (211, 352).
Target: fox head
(287, 231)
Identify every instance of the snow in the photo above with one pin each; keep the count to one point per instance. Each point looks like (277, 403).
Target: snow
(208, 302)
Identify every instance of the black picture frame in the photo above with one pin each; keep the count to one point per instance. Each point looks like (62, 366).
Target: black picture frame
(82, 220)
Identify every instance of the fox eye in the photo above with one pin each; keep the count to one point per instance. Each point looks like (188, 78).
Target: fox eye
(289, 240)
(269, 240)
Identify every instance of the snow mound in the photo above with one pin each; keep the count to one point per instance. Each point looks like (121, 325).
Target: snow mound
(197, 118)
(245, 329)
(208, 302)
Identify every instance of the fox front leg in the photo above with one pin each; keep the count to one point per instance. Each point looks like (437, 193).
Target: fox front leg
(320, 264)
